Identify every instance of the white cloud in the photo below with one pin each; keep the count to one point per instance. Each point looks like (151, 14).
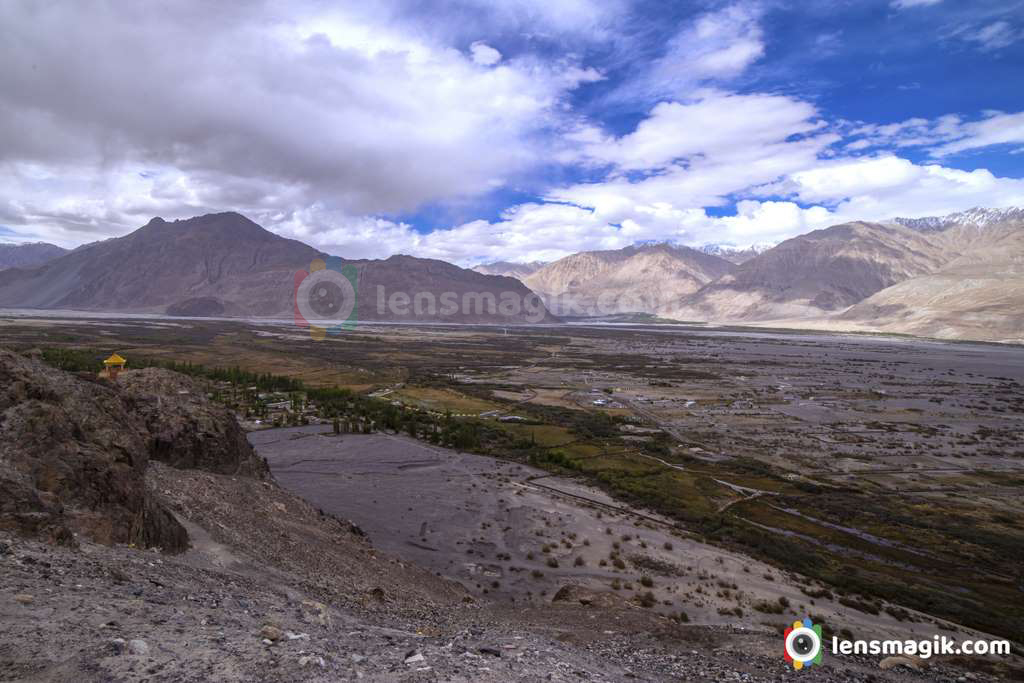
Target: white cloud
(996, 129)
(483, 54)
(987, 34)
(851, 177)
(942, 136)
(994, 36)
(715, 47)
(887, 186)
(333, 105)
(907, 4)
(720, 44)
(712, 125)
(528, 231)
(709, 152)
(319, 124)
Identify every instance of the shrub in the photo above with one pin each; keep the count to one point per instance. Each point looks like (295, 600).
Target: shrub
(768, 607)
(647, 599)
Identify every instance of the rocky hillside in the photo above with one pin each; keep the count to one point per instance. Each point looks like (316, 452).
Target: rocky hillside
(631, 280)
(813, 275)
(28, 255)
(226, 265)
(74, 451)
(73, 459)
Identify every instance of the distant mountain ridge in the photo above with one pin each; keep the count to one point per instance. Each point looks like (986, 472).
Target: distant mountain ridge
(226, 265)
(959, 275)
(636, 279)
(812, 274)
(509, 268)
(28, 255)
(955, 276)
(735, 254)
(977, 217)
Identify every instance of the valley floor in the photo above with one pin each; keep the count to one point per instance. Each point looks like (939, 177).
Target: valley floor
(746, 477)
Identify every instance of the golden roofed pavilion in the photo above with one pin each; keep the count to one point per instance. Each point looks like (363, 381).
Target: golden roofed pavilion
(112, 366)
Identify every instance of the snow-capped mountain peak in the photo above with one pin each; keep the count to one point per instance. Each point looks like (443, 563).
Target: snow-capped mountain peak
(736, 254)
(977, 217)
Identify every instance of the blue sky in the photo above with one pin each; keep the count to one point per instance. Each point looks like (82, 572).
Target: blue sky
(474, 131)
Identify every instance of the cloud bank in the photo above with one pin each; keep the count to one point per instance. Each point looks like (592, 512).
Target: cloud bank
(561, 125)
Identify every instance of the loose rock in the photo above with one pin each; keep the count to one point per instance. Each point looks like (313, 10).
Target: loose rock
(271, 632)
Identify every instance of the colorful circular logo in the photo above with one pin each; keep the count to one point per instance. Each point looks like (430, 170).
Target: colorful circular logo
(325, 297)
(803, 643)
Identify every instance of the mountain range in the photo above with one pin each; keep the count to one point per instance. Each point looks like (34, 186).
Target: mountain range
(954, 276)
(28, 255)
(226, 265)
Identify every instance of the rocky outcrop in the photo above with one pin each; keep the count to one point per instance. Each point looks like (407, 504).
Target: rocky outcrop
(188, 430)
(74, 451)
(73, 460)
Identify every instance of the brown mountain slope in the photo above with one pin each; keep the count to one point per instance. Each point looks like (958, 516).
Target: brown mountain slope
(978, 294)
(814, 274)
(226, 265)
(630, 280)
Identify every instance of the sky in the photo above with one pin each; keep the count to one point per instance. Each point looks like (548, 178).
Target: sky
(478, 130)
